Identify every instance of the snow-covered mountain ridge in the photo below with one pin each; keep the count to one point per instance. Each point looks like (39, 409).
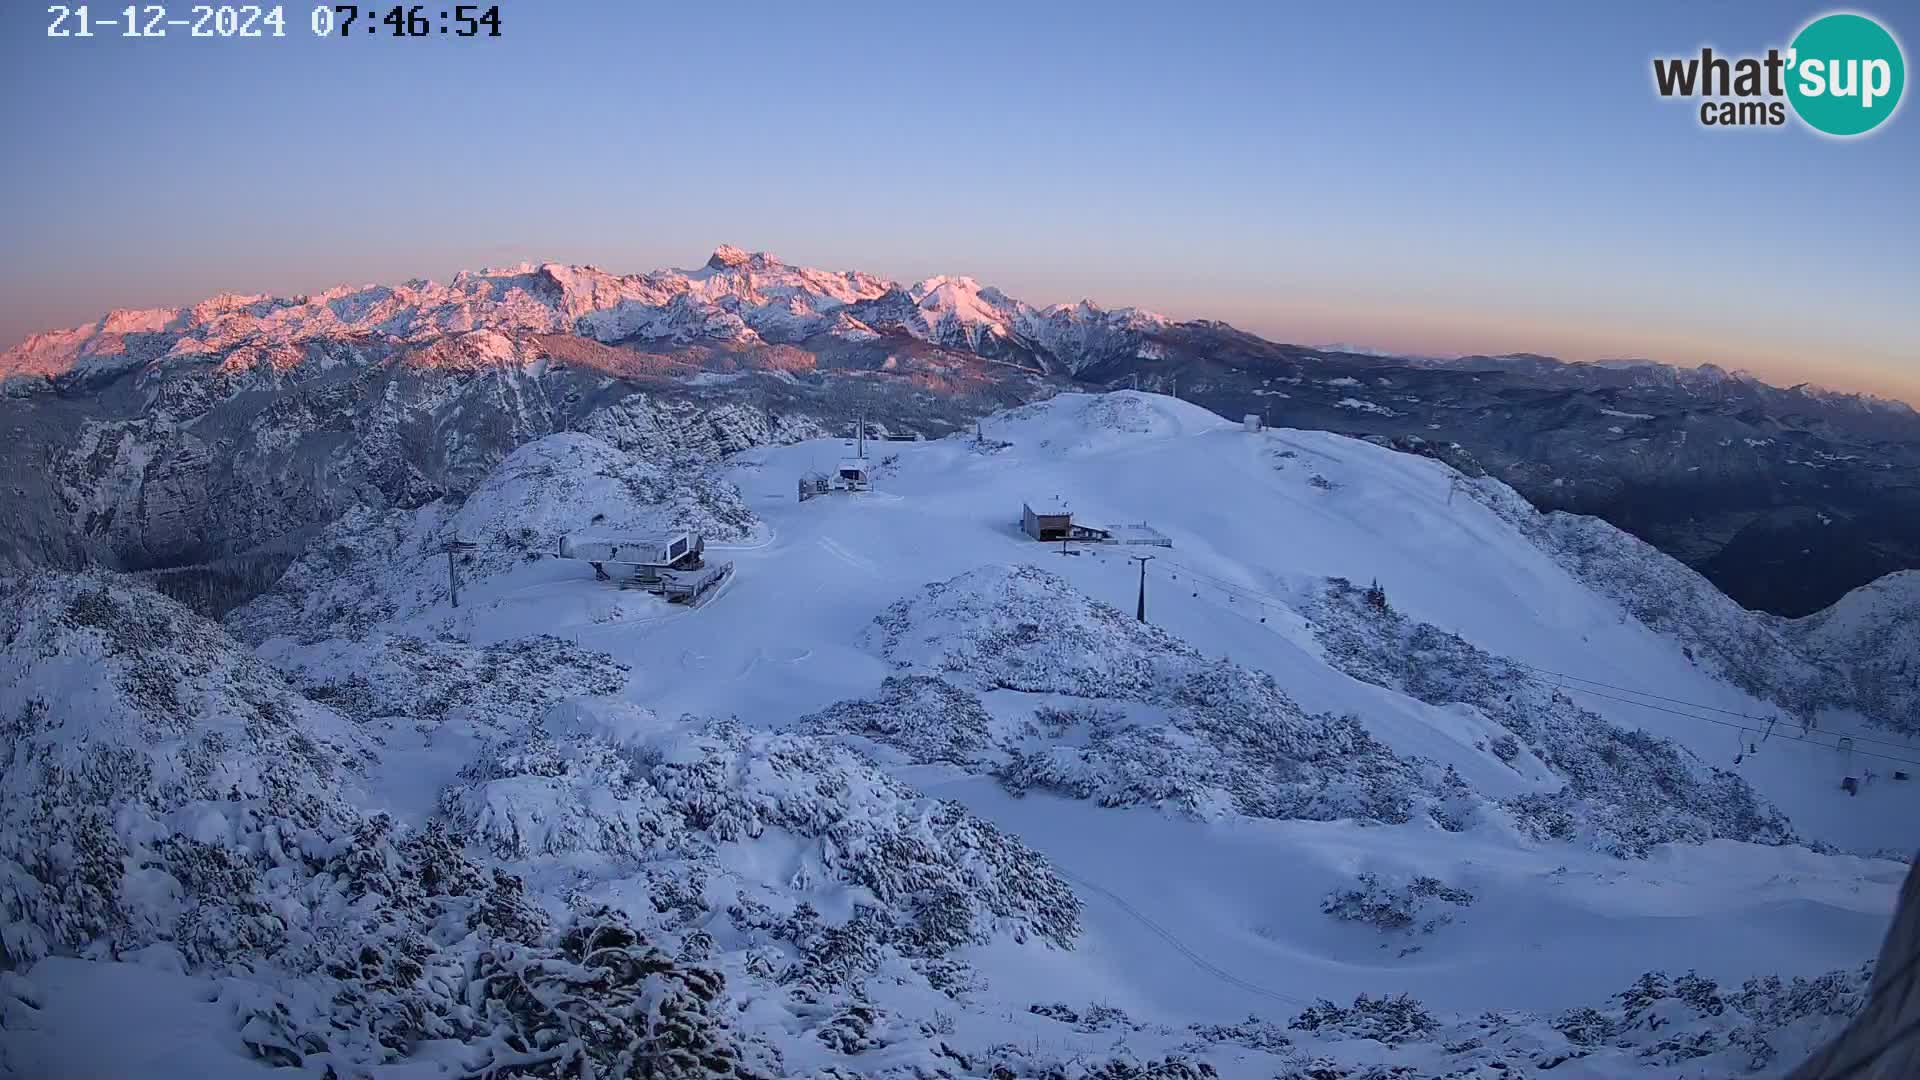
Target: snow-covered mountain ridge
(237, 426)
(915, 796)
(737, 299)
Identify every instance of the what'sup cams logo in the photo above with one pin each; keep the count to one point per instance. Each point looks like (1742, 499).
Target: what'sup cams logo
(1842, 76)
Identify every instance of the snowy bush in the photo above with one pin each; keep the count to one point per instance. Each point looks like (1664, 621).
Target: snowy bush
(600, 1002)
(923, 716)
(536, 795)
(1095, 1017)
(132, 726)
(1669, 1019)
(211, 818)
(1389, 1020)
(501, 685)
(617, 782)
(173, 791)
(1654, 1027)
(1011, 1062)
(1423, 904)
(1252, 1033)
(1216, 737)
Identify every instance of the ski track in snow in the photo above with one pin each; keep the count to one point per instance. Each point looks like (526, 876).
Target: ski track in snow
(1179, 946)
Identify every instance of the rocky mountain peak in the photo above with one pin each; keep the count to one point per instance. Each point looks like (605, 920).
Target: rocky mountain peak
(728, 257)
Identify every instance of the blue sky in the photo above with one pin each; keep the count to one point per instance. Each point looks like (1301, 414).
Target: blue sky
(1437, 178)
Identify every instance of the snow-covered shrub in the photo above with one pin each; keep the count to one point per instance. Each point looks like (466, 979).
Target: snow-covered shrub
(1625, 792)
(600, 1002)
(1120, 765)
(1024, 628)
(1669, 1019)
(503, 684)
(1866, 645)
(132, 726)
(616, 782)
(1322, 1068)
(536, 795)
(856, 1028)
(1217, 736)
(213, 818)
(1095, 1017)
(1252, 1033)
(925, 717)
(1423, 904)
(1628, 791)
(1661, 1025)
(1013, 1062)
(1389, 1020)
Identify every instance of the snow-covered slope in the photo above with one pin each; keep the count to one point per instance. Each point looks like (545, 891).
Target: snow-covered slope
(915, 795)
(1870, 642)
(387, 568)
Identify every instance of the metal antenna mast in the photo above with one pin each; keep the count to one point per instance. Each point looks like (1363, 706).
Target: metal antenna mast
(1140, 613)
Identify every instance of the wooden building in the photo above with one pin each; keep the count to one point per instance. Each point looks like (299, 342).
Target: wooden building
(1050, 521)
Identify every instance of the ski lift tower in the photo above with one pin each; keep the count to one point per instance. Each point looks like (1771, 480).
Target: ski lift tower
(453, 571)
(853, 474)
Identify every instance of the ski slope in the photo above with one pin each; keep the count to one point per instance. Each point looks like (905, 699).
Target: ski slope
(1243, 519)
(1190, 920)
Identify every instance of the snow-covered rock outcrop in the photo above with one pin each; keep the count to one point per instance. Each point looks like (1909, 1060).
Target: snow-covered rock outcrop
(1625, 791)
(1209, 736)
(602, 785)
(388, 567)
(1869, 645)
(147, 754)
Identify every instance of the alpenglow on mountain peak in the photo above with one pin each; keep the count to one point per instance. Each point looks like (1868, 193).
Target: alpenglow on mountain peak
(737, 299)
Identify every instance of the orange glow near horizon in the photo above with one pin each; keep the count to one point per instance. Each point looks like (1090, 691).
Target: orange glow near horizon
(1419, 330)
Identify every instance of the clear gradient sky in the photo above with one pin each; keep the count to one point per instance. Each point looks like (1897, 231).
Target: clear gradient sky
(1437, 178)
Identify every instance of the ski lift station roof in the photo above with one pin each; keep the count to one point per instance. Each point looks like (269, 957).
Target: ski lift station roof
(1049, 506)
(661, 550)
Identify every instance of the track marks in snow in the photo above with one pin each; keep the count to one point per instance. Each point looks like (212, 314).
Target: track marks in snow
(1178, 946)
(840, 552)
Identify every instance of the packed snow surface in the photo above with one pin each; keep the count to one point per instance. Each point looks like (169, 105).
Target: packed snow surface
(935, 803)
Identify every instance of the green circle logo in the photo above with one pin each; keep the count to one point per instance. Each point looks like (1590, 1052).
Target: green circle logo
(1845, 74)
